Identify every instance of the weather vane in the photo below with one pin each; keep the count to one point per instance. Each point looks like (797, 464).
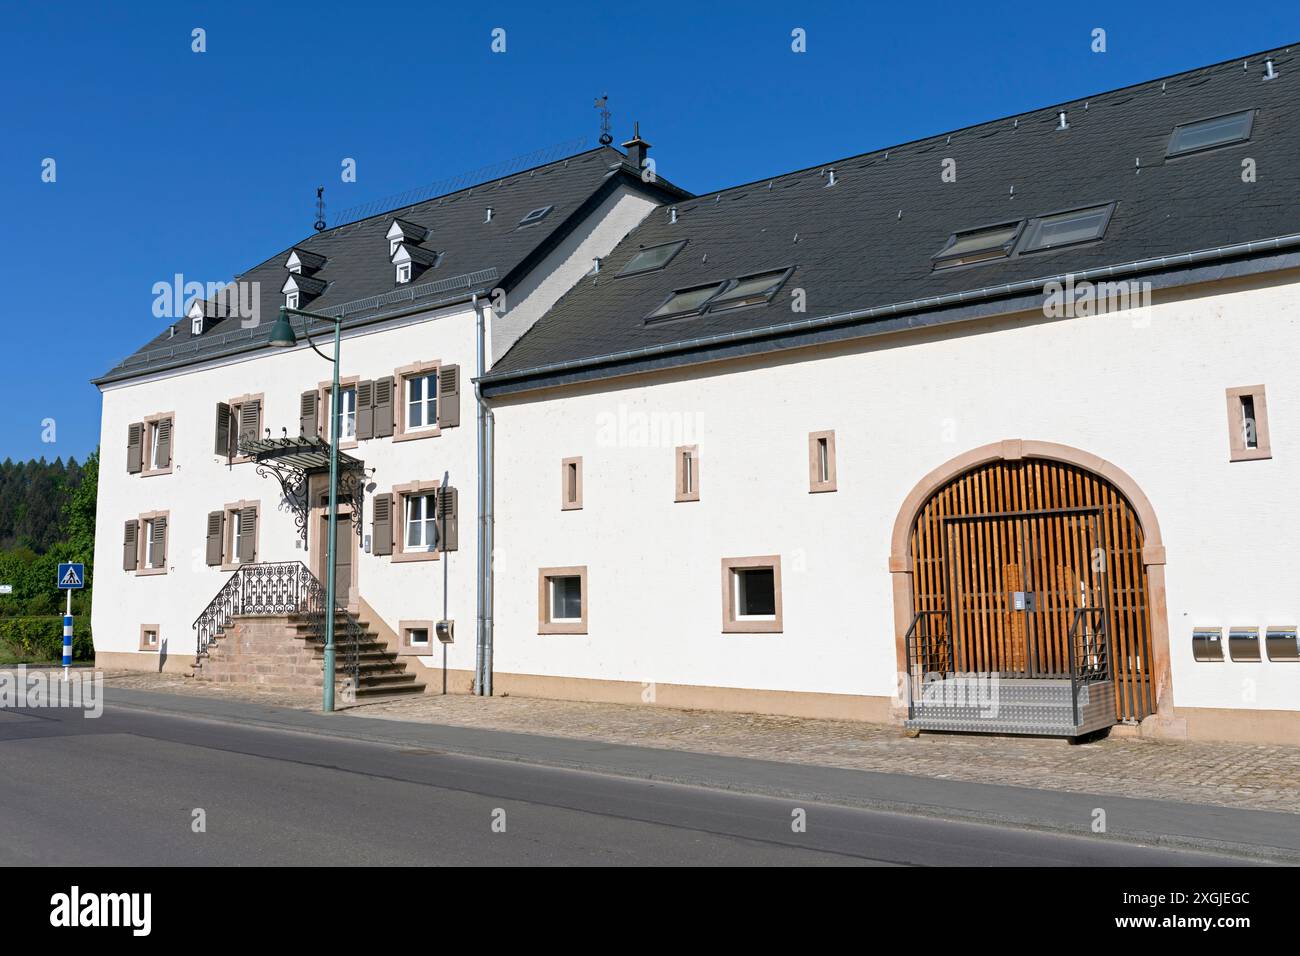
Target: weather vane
(320, 208)
(602, 104)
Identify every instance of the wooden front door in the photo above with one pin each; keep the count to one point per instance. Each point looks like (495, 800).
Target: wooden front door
(346, 547)
(1052, 538)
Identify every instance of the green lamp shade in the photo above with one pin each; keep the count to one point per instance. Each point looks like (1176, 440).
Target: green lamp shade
(282, 333)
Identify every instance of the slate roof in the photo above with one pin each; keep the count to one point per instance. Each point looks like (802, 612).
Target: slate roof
(867, 242)
(358, 272)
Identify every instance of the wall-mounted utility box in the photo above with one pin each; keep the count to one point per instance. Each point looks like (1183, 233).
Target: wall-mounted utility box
(1283, 643)
(1243, 643)
(1207, 643)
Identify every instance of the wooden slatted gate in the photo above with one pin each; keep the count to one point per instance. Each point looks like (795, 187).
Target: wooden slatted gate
(1050, 537)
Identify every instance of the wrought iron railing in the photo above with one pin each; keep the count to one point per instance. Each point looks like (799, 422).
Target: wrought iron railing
(929, 651)
(286, 587)
(1089, 652)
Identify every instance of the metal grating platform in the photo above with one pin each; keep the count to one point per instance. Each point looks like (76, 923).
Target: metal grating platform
(1026, 706)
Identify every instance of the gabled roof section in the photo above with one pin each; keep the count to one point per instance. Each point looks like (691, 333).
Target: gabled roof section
(477, 256)
(306, 262)
(418, 254)
(863, 242)
(310, 285)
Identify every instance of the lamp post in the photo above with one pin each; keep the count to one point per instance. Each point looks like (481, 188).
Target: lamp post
(282, 336)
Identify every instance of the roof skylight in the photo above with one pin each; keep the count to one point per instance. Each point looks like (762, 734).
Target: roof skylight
(651, 259)
(1208, 133)
(1066, 228)
(978, 245)
(685, 301)
(537, 215)
(749, 290)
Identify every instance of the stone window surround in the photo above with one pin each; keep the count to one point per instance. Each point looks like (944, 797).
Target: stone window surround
(142, 543)
(1237, 450)
(729, 623)
(235, 403)
(679, 467)
(400, 493)
(400, 375)
(323, 408)
(228, 533)
(406, 648)
(150, 426)
(815, 482)
(544, 623)
(144, 645)
(576, 503)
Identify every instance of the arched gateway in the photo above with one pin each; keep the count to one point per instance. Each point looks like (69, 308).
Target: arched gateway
(1040, 566)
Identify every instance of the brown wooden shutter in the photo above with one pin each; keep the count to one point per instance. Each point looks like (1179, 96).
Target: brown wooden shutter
(250, 421)
(382, 512)
(449, 396)
(135, 448)
(309, 419)
(158, 544)
(216, 536)
(248, 535)
(383, 412)
(130, 547)
(221, 445)
(365, 410)
(164, 442)
(448, 535)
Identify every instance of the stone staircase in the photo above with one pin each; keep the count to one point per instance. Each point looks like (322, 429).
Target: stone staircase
(286, 651)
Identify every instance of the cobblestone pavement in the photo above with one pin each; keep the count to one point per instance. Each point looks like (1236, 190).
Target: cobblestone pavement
(1235, 775)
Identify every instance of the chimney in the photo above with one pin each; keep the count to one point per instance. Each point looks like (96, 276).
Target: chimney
(636, 148)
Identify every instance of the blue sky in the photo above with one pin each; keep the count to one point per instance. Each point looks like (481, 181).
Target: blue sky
(206, 163)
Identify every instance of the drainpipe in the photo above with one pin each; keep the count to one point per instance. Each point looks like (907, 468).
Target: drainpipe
(483, 585)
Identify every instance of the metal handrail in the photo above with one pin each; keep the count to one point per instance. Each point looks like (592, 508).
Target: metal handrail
(285, 587)
(1095, 666)
(920, 627)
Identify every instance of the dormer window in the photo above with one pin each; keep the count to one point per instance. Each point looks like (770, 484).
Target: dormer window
(202, 316)
(302, 262)
(402, 231)
(299, 289)
(410, 260)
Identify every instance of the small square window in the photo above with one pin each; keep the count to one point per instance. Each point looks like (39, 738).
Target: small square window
(291, 300)
(562, 600)
(404, 273)
(751, 595)
(148, 637)
(416, 638)
(1209, 133)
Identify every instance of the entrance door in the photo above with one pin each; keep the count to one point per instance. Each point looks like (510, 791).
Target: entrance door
(346, 547)
(1061, 535)
(1019, 585)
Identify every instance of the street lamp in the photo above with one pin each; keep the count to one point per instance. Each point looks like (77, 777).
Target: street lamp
(282, 336)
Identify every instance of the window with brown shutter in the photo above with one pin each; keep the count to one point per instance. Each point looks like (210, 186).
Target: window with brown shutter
(248, 535)
(135, 448)
(448, 533)
(130, 545)
(158, 543)
(309, 417)
(365, 410)
(221, 443)
(250, 421)
(216, 537)
(164, 445)
(382, 533)
(448, 396)
(383, 407)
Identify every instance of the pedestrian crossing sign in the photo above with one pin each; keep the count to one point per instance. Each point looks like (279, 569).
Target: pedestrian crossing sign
(71, 576)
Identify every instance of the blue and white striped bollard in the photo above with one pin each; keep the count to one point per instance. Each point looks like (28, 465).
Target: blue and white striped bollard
(67, 643)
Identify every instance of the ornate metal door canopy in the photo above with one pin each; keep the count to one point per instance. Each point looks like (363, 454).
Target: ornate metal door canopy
(293, 461)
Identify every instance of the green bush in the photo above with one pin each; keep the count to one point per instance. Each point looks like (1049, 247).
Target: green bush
(41, 638)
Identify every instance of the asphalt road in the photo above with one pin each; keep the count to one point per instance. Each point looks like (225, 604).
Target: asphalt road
(125, 789)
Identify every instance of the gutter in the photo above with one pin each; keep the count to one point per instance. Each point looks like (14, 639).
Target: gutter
(497, 380)
(483, 555)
